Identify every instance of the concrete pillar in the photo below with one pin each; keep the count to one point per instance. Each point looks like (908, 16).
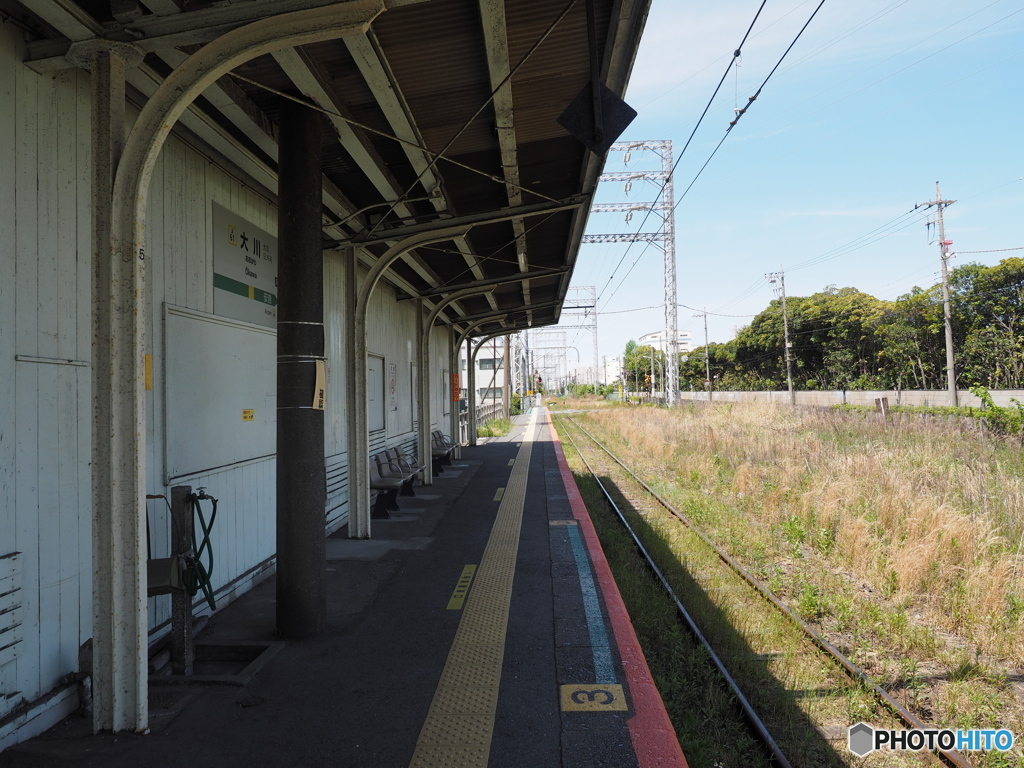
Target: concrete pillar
(471, 391)
(423, 394)
(358, 423)
(301, 480)
(454, 349)
(119, 627)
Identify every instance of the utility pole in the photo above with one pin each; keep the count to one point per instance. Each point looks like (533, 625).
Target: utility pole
(707, 354)
(947, 312)
(652, 371)
(780, 278)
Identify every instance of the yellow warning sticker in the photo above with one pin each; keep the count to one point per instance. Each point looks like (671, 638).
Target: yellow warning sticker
(461, 588)
(593, 698)
(248, 414)
(511, 462)
(562, 522)
(500, 492)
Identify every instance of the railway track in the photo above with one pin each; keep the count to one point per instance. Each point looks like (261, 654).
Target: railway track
(766, 645)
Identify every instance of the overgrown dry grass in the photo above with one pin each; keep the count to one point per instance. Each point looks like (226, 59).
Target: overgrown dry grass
(583, 403)
(902, 540)
(917, 511)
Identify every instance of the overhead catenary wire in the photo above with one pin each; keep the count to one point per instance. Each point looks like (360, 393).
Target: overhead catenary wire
(750, 102)
(709, 66)
(871, 237)
(494, 92)
(732, 124)
(890, 58)
(736, 54)
(384, 134)
(747, 169)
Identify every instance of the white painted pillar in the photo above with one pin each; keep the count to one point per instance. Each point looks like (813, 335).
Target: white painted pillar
(470, 393)
(423, 394)
(120, 621)
(358, 420)
(423, 331)
(359, 434)
(454, 428)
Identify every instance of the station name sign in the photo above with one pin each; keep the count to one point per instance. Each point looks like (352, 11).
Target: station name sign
(244, 269)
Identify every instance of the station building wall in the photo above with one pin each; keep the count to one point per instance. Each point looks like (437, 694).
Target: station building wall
(45, 374)
(45, 389)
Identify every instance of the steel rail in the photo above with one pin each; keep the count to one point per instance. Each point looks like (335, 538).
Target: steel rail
(749, 713)
(949, 757)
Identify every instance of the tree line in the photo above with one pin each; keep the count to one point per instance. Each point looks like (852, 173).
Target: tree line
(843, 338)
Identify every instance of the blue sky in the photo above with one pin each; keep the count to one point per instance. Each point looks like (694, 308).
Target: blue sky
(877, 101)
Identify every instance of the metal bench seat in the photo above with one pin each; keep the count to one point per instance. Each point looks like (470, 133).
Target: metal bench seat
(441, 448)
(387, 491)
(389, 467)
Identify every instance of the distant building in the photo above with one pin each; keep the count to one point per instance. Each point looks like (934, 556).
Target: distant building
(612, 370)
(490, 374)
(659, 340)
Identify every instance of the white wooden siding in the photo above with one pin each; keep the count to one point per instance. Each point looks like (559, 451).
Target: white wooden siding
(45, 397)
(391, 334)
(45, 279)
(336, 316)
(180, 238)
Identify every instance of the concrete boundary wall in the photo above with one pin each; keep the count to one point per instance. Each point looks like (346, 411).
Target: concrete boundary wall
(1001, 397)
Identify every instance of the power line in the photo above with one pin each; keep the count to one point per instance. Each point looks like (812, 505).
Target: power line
(875, 116)
(494, 92)
(898, 224)
(890, 58)
(732, 62)
(716, 314)
(709, 66)
(992, 250)
(637, 309)
(739, 114)
(750, 102)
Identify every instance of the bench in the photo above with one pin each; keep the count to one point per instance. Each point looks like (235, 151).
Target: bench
(391, 464)
(441, 447)
(406, 464)
(387, 489)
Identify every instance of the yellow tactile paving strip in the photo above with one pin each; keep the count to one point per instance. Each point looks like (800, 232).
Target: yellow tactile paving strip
(459, 724)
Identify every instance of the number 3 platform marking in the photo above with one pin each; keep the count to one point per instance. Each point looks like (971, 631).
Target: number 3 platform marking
(593, 698)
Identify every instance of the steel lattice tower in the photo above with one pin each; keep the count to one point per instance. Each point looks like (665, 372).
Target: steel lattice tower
(665, 207)
(583, 308)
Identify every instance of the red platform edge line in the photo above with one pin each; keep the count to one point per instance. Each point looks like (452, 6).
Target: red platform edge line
(654, 738)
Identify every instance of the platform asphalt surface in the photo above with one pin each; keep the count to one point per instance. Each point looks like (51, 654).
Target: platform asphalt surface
(359, 694)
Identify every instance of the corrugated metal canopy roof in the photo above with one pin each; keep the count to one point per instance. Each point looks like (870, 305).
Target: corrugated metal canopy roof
(431, 73)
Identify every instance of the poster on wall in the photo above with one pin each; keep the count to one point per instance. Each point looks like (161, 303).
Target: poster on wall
(244, 270)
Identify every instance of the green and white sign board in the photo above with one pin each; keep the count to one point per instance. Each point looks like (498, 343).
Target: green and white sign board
(244, 270)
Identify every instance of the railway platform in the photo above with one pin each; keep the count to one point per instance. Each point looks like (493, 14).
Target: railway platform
(479, 626)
